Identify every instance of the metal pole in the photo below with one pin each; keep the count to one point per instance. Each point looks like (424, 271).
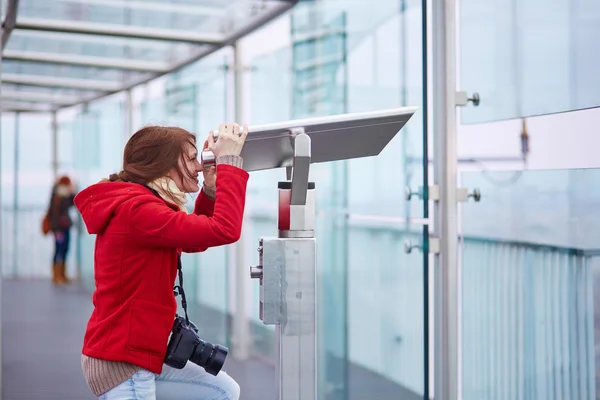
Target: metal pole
(54, 128)
(240, 339)
(128, 116)
(425, 168)
(16, 195)
(446, 341)
(2, 243)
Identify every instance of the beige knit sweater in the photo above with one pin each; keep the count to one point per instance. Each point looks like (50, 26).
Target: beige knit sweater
(102, 375)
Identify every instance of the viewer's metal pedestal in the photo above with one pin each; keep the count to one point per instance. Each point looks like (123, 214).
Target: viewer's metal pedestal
(287, 263)
(288, 280)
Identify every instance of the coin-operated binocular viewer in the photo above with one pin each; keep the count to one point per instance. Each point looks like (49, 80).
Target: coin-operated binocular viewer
(287, 263)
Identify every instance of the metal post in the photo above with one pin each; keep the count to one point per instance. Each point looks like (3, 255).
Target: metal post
(446, 341)
(288, 280)
(2, 243)
(128, 116)
(16, 194)
(54, 128)
(240, 336)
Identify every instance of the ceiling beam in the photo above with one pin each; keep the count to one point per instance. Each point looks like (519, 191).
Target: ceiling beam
(86, 61)
(19, 106)
(160, 7)
(9, 20)
(129, 31)
(37, 97)
(60, 82)
(66, 39)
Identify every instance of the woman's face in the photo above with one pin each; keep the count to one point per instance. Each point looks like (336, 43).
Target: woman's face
(188, 164)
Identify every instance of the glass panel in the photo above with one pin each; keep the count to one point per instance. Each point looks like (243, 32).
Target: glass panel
(529, 285)
(26, 183)
(271, 90)
(7, 168)
(370, 291)
(319, 51)
(507, 45)
(97, 140)
(196, 99)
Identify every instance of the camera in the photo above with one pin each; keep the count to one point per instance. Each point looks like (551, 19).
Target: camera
(185, 345)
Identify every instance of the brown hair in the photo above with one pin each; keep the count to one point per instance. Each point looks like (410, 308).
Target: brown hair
(151, 153)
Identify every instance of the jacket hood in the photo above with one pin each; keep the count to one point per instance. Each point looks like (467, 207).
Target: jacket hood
(97, 203)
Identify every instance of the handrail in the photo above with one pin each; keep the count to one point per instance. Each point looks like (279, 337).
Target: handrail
(397, 225)
(532, 246)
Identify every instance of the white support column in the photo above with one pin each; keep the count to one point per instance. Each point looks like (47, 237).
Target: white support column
(54, 129)
(15, 210)
(128, 116)
(446, 337)
(241, 339)
(2, 242)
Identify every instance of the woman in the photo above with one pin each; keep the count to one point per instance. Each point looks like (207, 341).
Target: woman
(61, 200)
(141, 225)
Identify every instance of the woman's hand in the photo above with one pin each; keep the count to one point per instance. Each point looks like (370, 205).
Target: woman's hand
(230, 141)
(210, 177)
(210, 173)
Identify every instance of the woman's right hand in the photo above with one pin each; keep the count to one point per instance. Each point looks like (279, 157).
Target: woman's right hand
(230, 141)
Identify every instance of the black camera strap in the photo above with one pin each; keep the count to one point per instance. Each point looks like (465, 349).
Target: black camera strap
(178, 289)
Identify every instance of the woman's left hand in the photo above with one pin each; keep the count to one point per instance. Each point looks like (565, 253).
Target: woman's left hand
(210, 177)
(210, 173)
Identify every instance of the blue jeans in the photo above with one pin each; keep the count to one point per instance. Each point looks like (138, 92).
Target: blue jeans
(190, 383)
(62, 239)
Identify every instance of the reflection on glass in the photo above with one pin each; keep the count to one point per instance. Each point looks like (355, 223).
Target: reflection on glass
(529, 286)
(529, 57)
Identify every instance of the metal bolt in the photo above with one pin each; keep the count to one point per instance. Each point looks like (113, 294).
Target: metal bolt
(475, 99)
(476, 195)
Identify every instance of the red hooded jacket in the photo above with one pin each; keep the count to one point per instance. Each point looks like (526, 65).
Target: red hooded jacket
(135, 261)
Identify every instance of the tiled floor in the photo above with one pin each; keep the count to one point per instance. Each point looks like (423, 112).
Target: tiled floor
(42, 331)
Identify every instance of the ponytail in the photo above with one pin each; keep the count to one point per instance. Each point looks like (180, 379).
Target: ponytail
(120, 177)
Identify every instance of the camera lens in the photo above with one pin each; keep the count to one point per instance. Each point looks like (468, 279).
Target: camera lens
(209, 356)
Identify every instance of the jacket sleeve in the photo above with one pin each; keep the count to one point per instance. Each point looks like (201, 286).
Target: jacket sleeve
(204, 205)
(154, 224)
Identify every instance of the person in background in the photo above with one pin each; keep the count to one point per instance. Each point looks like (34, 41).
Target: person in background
(61, 200)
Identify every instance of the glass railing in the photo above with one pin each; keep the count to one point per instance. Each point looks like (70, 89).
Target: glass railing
(528, 321)
(26, 180)
(25, 252)
(526, 58)
(529, 285)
